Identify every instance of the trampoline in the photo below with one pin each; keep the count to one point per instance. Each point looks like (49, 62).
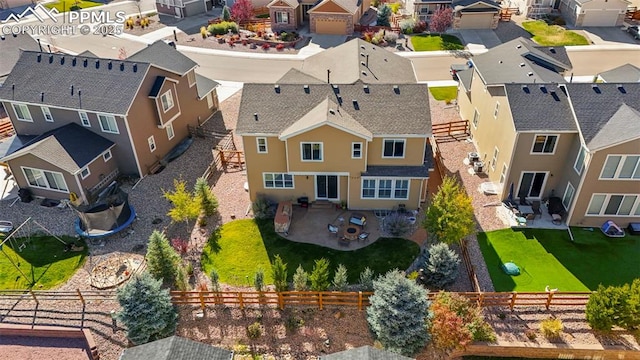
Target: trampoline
(110, 214)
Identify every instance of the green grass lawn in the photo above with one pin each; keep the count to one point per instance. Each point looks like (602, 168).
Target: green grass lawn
(241, 247)
(549, 257)
(553, 35)
(435, 42)
(43, 261)
(444, 93)
(68, 5)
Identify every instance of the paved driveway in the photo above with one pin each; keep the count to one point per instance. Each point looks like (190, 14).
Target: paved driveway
(608, 35)
(479, 39)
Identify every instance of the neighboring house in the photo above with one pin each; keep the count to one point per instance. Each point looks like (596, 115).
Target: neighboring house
(10, 48)
(183, 8)
(621, 74)
(364, 353)
(533, 8)
(335, 17)
(126, 114)
(364, 144)
(422, 10)
(581, 13)
(528, 126)
(175, 348)
(475, 14)
(9, 4)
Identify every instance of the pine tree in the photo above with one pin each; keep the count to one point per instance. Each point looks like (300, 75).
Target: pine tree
(340, 279)
(215, 280)
(258, 280)
(279, 274)
(442, 265)
(185, 205)
(366, 279)
(162, 259)
(320, 275)
(300, 279)
(398, 314)
(146, 309)
(226, 13)
(383, 15)
(208, 201)
(449, 217)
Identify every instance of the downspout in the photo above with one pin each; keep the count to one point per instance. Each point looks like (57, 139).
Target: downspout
(82, 194)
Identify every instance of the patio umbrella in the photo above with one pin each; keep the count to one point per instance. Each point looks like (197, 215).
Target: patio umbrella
(510, 197)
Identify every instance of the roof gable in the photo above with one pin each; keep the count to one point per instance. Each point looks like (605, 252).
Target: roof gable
(333, 6)
(165, 57)
(175, 348)
(626, 119)
(475, 5)
(10, 48)
(284, 3)
(622, 74)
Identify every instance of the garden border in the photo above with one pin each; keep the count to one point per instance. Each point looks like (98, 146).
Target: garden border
(547, 351)
(52, 331)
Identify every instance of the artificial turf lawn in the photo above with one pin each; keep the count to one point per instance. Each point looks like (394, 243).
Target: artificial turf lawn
(43, 261)
(549, 257)
(444, 93)
(553, 35)
(435, 42)
(67, 5)
(241, 247)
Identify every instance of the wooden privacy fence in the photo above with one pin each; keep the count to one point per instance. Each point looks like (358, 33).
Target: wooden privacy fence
(452, 130)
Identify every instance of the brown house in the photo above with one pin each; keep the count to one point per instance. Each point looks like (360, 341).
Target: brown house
(577, 142)
(335, 17)
(129, 113)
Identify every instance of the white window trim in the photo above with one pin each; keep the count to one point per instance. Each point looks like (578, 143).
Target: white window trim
(151, 141)
(503, 174)
(27, 112)
(404, 148)
(282, 14)
(105, 157)
(584, 159)
(353, 150)
(377, 188)
(170, 134)
(634, 208)
(266, 147)
(88, 124)
(476, 118)
(284, 187)
(191, 77)
(619, 168)
(46, 112)
(566, 190)
(494, 159)
(311, 143)
(555, 146)
(88, 173)
(170, 97)
(115, 123)
(496, 110)
(210, 100)
(48, 187)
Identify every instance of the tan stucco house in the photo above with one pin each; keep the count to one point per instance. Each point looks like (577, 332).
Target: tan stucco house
(578, 142)
(467, 14)
(582, 13)
(82, 120)
(336, 17)
(305, 136)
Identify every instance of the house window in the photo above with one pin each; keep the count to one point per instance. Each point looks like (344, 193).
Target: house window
(282, 17)
(568, 195)
(614, 205)
(278, 181)
(170, 133)
(544, 144)
(356, 150)
(401, 189)
(22, 112)
(45, 179)
(385, 189)
(108, 124)
(311, 151)
(84, 119)
(107, 156)
(621, 167)
(167, 101)
(578, 165)
(503, 173)
(209, 100)
(496, 110)
(393, 148)
(262, 145)
(84, 173)
(368, 188)
(191, 77)
(476, 117)
(152, 143)
(47, 114)
(494, 160)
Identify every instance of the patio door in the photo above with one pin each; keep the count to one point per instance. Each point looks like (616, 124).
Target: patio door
(532, 184)
(327, 187)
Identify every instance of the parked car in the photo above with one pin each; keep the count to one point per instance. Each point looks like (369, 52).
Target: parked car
(633, 30)
(453, 70)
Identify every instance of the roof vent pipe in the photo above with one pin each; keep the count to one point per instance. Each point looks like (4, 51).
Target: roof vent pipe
(255, 116)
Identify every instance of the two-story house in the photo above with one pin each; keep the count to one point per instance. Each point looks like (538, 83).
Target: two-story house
(362, 143)
(183, 8)
(335, 17)
(578, 142)
(467, 14)
(82, 120)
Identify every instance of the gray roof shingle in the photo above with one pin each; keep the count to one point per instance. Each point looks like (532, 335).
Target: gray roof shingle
(421, 171)
(175, 348)
(540, 107)
(70, 147)
(364, 353)
(204, 85)
(164, 56)
(295, 76)
(381, 108)
(10, 47)
(522, 61)
(622, 74)
(466, 3)
(47, 79)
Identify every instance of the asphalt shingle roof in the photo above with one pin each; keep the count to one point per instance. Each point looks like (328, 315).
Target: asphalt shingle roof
(622, 74)
(295, 76)
(381, 108)
(606, 113)
(70, 147)
(164, 56)
(521, 61)
(175, 348)
(204, 85)
(466, 3)
(540, 107)
(364, 353)
(421, 171)
(359, 60)
(10, 46)
(48, 79)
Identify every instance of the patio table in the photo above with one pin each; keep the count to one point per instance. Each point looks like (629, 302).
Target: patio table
(525, 209)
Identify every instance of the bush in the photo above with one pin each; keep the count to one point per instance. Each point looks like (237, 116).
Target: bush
(254, 331)
(279, 274)
(182, 279)
(300, 279)
(180, 245)
(384, 12)
(366, 279)
(442, 265)
(420, 27)
(266, 46)
(471, 315)
(397, 225)
(293, 323)
(226, 13)
(263, 208)
(551, 328)
(395, 7)
(340, 281)
(614, 305)
(223, 28)
(258, 280)
(280, 47)
(390, 37)
(162, 259)
(203, 32)
(208, 201)
(320, 275)
(215, 280)
(447, 329)
(378, 38)
(406, 25)
(399, 313)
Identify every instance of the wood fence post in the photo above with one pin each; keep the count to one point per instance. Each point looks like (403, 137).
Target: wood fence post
(359, 300)
(202, 304)
(481, 299)
(80, 296)
(280, 301)
(513, 300)
(549, 297)
(320, 300)
(240, 300)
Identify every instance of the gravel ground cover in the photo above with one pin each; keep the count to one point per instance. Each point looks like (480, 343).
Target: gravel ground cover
(36, 348)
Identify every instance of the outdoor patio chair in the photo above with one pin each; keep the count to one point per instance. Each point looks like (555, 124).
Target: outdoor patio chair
(364, 236)
(333, 229)
(535, 206)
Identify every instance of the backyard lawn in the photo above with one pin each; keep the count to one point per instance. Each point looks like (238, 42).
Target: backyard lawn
(241, 247)
(435, 42)
(69, 5)
(553, 35)
(43, 262)
(549, 257)
(444, 93)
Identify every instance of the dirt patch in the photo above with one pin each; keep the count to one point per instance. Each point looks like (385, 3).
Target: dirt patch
(154, 24)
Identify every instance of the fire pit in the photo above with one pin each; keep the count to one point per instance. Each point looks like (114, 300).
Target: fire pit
(352, 232)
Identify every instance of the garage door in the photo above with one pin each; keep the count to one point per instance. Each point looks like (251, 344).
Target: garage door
(331, 26)
(476, 21)
(600, 18)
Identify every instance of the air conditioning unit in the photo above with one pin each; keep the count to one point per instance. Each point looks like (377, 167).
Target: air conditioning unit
(473, 157)
(478, 166)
